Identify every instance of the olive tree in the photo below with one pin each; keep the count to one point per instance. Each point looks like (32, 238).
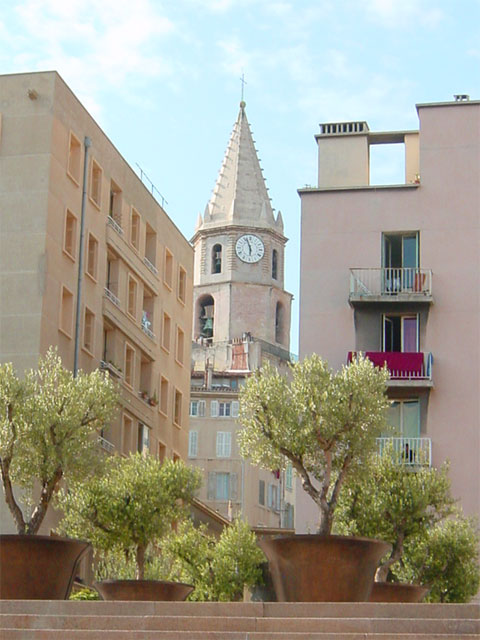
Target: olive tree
(446, 557)
(396, 503)
(130, 506)
(48, 425)
(325, 423)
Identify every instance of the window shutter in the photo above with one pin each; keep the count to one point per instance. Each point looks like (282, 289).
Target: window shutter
(227, 447)
(192, 408)
(270, 496)
(233, 487)
(220, 435)
(235, 406)
(211, 485)
(201, 408)
(214, 408)
(193, 444)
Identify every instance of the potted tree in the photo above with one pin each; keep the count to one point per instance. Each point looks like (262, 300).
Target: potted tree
(325, 424)
(125, 513)
(48, 426)
(399, 504)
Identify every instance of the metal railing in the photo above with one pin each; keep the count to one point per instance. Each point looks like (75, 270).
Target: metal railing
(111, 296)
(413, 452)
(114, 224)
(390, 281)
(148, 331)
(401, 365)
(106, 445)
(151, 266)
(109, 366)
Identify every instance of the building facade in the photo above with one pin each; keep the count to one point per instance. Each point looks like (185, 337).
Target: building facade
(394, 271)
(135, 312)
(241, 318)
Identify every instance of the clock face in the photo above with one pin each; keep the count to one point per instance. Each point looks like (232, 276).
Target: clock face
(249, 248)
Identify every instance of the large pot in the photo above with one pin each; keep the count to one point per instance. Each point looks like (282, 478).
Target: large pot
(38, 567)
(313, 568)
(398, 592)
(143, 590)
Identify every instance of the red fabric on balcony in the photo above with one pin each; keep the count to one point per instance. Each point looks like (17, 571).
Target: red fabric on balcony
(400, 364)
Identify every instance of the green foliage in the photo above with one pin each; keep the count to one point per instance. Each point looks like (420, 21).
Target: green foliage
(395, 503)
(325, 423)
(84, 594)
(48, 422)
(130, 506)
(218, 568)
(447, 558)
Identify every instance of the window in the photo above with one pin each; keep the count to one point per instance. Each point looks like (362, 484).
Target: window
(166, 332)
(400, 333)
(66, 311)
(274, 264)
(92, 254)
(88, 330)
(150, 258)
(135, 229)
(289, 477)
(261, 492)
(168, 269)
(205, 317)
(400, 261)
(180, 345)
(222, 486)
(197, 408)
(127, 435)
(279, 322)
(74, 158)
(217, 258)
(162, 451)
(164, 396)
(224, 444)
(177, 415)
(182, 284)
(129, 365)
(115, 203)
(224, 409)
(192, 444)
(70, 235)
(273, 497)
(404, 417)
(96, 184)
(132, 297)
(143, 439)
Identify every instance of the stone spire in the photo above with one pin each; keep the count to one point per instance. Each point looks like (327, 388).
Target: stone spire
(240, 195)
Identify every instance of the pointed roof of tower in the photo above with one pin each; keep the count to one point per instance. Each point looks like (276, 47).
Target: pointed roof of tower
(240, 195)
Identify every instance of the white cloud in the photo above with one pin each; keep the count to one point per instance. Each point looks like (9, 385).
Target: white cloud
(398, 13)
(93, 45)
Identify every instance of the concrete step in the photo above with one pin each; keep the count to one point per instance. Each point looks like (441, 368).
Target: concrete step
(243, 623)
(249, 609)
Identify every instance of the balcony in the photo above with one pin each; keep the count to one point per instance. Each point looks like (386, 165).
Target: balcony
(407, 369)
(106, 445)
(111, 296)
(390, 285)
(151, 266)
(111, 368)
(114, 224)
(413, 452)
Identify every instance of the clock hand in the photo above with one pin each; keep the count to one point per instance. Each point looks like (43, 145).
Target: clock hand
(249, 247)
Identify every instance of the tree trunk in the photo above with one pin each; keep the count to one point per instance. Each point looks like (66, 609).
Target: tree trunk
(397, 552)
(140, 560)
(10, 498)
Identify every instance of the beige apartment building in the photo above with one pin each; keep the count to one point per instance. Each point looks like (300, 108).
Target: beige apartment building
(394, 271)
(135, 305)
(241, 319)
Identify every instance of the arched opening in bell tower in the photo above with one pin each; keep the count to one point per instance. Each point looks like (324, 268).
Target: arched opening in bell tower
(279, 323)
(205, 314)
(217, 258)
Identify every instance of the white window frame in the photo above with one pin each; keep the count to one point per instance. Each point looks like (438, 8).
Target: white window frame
(224, 409)
(197, 408)
(192, 444)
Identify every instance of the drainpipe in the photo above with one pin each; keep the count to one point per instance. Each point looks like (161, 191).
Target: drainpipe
(87, 143)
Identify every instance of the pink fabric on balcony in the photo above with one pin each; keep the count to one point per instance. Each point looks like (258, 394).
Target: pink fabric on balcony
(400, 364)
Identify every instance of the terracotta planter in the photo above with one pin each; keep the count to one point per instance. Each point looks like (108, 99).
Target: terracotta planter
(143, 590)
(38, 567)
(397, 592)
(313, 568)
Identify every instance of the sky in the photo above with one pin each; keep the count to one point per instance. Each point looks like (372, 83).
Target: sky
(163, 80)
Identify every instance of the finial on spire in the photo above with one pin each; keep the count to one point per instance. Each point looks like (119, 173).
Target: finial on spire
(243, 81)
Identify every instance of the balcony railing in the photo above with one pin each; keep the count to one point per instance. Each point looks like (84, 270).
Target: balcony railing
(111, 368)
(106, 445)
(413, 452)
(151, 266)
(401, 365)
(391, 282)
(114, 224)
(111, 296)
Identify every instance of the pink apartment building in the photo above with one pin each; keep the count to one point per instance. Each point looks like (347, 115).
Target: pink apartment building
(394, 270)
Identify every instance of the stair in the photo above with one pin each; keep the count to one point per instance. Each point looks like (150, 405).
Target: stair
(69, 620)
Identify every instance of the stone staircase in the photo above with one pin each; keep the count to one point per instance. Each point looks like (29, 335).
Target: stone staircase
(68, 620)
